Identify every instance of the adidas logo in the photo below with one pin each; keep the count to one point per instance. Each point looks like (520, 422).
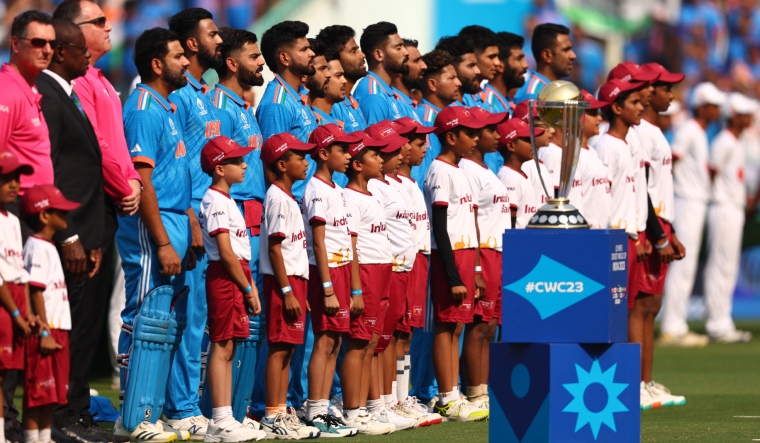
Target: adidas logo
(137, 148)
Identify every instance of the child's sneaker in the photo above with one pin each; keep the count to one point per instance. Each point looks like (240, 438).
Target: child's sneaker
(231, 430)
(196, 426)
(367, 424)
(329, 426)
(461, 410)
(287, 427)
(663, 393)
(647, 399)
(145, 432)
(429, 418)
(385, 415)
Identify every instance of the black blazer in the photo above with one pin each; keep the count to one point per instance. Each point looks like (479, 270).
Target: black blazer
(77, 161)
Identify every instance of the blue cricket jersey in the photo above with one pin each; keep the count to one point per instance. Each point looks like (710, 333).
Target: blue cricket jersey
(239, 124)
(377, 101)
(428, 112)
(348, 112)
(478, 99)
(407, 106)
(322, 119)
(532, 87)
(497, 101)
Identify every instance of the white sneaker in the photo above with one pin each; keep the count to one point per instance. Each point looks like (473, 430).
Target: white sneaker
(145, 432)
(251, 423)
(431, 404)
(404, 409)
(735, 336)
(688, 340)
(663, 393)
(367, 424)
(287, 427)
(648, 399)
(195, 426)
(430, 418)
(482, 402)
(336, 404)
(231, 430)
(385, 415)
(461, 410)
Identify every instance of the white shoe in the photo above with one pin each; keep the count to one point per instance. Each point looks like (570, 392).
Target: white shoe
(336, 405)
(94, 393)
(482, 402)
(431, 404)
(688, 340)
(407, 410)
(647, 398)
(461, 410)
(231, 430)
(367, 424)
(251, 423)
(385, 415)
(145, 432)
(287, 427)
(735, 336)
(663, 393)
(428, 418)
(195, 426)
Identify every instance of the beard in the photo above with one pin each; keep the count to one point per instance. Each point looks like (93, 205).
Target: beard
(400, 68)
(470, 86)
(513, 79)
(355, 73)
(249, 77)
(206, 58)
(302, 70)
(174, 78)
(316, 89)
(412, 82)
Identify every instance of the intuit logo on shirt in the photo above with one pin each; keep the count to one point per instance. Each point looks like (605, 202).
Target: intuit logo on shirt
(552, 287)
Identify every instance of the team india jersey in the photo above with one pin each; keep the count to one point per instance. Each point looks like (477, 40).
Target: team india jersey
(534, 83)
(219, 213)
(521, 195)
(492, 198)
(326, 203)
(419, 218)
(597, 199)
(496, 100)
(640, 159)
(348, 112)
(428, 112)
(396, 208)
(377, 101)
(616, 155)
(660, 180)
(691, 179)
(282, 218)
(551, 157)
(43, 264)
(727, 161)
(367, 223)
(406, 105)
(154, 136)
(446, 185)
(530, 169)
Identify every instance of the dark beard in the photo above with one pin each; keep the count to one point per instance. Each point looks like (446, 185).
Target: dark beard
(354, 76)
(512, 80)
(412, 82)
(470, 88)
(174, 78)
(249, 77)
(315, 89)
(302, 70)
(402, 69)
(206, 58)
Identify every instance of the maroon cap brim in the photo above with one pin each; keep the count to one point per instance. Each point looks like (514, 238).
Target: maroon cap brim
(395, 144)
(669, 77)
(22, 169)
(645, 76)
(64, 205)
(239, 152)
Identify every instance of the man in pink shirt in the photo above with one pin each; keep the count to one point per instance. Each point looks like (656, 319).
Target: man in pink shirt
(23, 130)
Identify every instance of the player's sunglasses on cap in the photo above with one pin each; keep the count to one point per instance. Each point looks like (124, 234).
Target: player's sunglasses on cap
(277, 145)
(366, 142)
(39, 43)
(515, 128)
(43, 197)
(610, 91)
(326, 135)
(408, 125)
(665, 76)
(9, 163)
(521, 111)
(222, 150)
(99, 22)
(383, 131)
(631, 72)
(489, 118)
(452, 117)
(594, 103)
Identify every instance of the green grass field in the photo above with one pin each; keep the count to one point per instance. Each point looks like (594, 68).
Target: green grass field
(720, 382)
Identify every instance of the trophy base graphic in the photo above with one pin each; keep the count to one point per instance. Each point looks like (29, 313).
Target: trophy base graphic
(558, 213)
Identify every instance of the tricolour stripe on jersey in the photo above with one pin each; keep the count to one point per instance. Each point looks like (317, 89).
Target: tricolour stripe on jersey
(145, 261)
(279, 94)
(220, 100)
(143, 102)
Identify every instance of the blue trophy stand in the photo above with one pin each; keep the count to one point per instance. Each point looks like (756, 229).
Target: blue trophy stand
(564, 372)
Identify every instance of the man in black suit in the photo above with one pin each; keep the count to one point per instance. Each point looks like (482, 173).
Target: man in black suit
(77, 165)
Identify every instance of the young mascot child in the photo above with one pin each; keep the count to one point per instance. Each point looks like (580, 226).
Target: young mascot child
(230, 288)
(285, 265)
(332, 274)
(454, 257)
(515, 147)
(46, 379)
(531, 167)
(15, 324)
(596, 191)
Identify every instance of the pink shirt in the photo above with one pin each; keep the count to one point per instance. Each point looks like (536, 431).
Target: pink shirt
(23, 130)
(102, 105)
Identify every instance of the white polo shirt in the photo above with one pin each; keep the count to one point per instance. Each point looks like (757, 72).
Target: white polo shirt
(396, 208)
(367, 223)
(691, 176)
(282, 218)
(12, 268)
(529, 168)
(521, 194)
(494, 216)
(640, 160)
(219, 213)
(43, 264)
(616, 155)
(660, 181)
(597, 200)
(727, 160)
(446, 185)
(326, 203)
(420, 219)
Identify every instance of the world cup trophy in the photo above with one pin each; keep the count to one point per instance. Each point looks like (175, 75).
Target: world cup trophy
(561, 106)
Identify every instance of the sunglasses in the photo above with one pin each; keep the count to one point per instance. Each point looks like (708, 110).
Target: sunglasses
(237, 161)
(39, 43)
(99, 22)
(81, 48)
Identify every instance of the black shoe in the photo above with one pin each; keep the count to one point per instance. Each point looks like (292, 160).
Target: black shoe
(58, 437)
(82, 434)
(14, 434)
(99, 430)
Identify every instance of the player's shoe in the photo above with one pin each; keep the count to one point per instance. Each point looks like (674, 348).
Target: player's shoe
(482, 402)
(231, 430)
(429, 418)
(287, 427)
(735, 336)
(408, 409)
(385, 415)
(146, 432)
(336, 407)
(195, 426)
(688, 340)
(666, 398)
(251, 423)
(431, 405)
(461, 410)
(366, 424)
(330, 427)
(648, 399)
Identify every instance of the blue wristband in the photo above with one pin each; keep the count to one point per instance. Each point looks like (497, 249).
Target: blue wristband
(356, 292)
(286, 289)
(247, 290)
(663, 246)
(15, 313)
(44, 334)
(327, 284)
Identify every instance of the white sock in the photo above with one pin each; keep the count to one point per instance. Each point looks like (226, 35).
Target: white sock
(394, 390)
(375, 405)
(389, 400)
(45, 435)
(351, 414)
(455, 389)
(2, 429)
(402, 388)
(221, 413)
(312, 409)
(473, 392)
(31, 435)
(324, 407)
(484, 389)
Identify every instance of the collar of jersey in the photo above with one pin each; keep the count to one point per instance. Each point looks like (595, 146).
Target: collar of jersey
(234, 97)
(380, 82)
(169, 106)
(350, 101)
(540, 77)
(321, 116)
(404, 97)
(504, 100)
(30, 92)
(302, 91)
(199, 85)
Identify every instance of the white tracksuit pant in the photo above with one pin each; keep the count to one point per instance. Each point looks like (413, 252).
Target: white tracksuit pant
(689, 223)
(725, 225)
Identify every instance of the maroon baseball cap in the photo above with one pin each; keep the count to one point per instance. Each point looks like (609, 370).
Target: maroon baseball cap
(366, 142)
(329, 134)
(451, 117)
(665, 76)
(384, 132)
(9, 163)
(589, 97)
(631, 72)
(521, 111)
(219, 149)
(610, 91)
(279, 144)
(410, 125)
(41, 197)
(515, 128)
(489, 118)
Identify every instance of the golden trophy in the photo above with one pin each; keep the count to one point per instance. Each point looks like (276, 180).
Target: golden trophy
(560, 105)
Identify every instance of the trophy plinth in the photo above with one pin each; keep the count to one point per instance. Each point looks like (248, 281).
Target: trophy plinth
(558, 213)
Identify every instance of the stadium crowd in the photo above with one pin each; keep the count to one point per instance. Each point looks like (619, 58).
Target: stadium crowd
(328, 263)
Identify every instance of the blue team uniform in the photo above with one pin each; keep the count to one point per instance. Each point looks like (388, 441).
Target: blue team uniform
(428, 112)
(493, 160)
(154, 137)
(377, 101)
(406, 105)
(496, 101)
(348, 112)
(283, 109)
(533, 85)
(324, 119)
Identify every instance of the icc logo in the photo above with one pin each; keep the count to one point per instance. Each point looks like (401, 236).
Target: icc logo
(174, 129)
(201, 107)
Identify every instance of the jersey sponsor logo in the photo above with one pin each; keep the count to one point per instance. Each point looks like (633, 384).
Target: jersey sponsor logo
(600, 181)
(254, 141)
(577, 183)
(174, 128)
(402, 215)
(377, 228)
(500, 199)
(36, 121)
(296, 326)
(466, 199)
(667, 161)
(137, 148)
(202, 108)
(343, 221)
(530, 209)
(342, 313)
(213, 129)
(300, 236)
(246, 125)
(180, 151)
(242, 233)
(306, 121)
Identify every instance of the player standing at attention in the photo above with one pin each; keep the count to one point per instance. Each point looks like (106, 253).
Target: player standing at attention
(465, 64)
(502, 88)
(493, 218)
(454, 257)
(333, 273)
(554, 55)
(691, 186)
(199, 123)
(230, 288)
(403, 85)
(340, 38)
(285, 265)
(597, 200)
(516, 149)
(386, 57)
(154, 244)
(317, 82)
(334, 90)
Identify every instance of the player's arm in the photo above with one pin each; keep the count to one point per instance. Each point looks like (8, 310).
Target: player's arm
(171, 263)
(480, 285)
(357, 301)
(235, 270)
(47, 344)
(196, 236)
(289, 301)
(442, 241)
(6, 300)
(320, 255)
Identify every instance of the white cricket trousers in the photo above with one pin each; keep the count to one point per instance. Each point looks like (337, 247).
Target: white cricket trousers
(689, 223)
(725, 225)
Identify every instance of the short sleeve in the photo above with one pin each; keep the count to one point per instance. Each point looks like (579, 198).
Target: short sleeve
(276, 215)
(143, 136)
(217, 218)
(37, 264)
(440, 188)
(274, 118)
(314, 207)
